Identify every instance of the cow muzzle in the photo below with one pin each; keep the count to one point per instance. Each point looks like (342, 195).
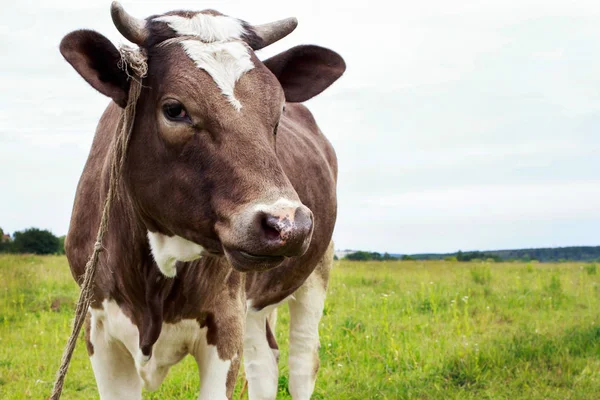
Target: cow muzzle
(266, 235)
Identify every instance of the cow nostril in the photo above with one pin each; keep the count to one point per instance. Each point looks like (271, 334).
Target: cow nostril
(270, 228)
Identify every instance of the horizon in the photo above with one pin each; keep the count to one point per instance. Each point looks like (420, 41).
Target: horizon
(391, 252)
(465, 250)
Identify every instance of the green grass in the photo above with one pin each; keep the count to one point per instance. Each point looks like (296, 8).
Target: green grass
(393, 330)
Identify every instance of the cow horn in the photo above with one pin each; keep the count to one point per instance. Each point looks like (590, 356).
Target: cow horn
(274, 31)
(132, 28)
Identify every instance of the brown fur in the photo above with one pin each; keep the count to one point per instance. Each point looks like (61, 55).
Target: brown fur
(271, 337)
(88, 328)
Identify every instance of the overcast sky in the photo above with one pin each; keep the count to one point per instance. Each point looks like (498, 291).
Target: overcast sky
(458, 124)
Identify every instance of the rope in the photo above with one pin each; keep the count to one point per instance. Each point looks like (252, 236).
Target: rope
(136, 60)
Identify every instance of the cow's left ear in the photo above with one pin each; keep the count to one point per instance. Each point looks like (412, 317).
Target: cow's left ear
(305, 71)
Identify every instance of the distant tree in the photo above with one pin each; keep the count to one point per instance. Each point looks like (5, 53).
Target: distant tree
(61, 245)
(358, 256)
(36, 241)
(575, 253)
(335, 258)
(5, 244)
(476, 256)
(406, 257)
(364, 256)
(388, 257)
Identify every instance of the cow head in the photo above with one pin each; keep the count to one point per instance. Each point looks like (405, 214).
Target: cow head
(202, 169)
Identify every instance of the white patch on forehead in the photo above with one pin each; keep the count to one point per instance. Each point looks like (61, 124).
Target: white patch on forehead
(224, 62)
(218, 51)
(209, 28)
(167, 250)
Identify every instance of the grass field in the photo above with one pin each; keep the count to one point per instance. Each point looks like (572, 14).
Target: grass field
(393, 330)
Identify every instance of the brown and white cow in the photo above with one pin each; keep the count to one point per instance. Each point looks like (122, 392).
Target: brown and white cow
(225, 210)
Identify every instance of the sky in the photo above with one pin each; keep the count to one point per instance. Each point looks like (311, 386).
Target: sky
(458, 125)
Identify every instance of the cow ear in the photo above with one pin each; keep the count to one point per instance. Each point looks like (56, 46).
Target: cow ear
(96, 59)
(305, 71)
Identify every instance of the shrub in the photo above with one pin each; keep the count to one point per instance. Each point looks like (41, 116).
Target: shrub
(481, 275)
(555, 287)
(591, 269)
(35, 241)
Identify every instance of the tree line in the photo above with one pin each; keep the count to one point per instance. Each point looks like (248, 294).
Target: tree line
(364, 256)
(374, 256)
(460, 256)
(32, 241)
(558, 254)
(550, 254)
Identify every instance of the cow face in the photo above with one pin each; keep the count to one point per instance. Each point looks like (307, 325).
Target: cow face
(202, 168)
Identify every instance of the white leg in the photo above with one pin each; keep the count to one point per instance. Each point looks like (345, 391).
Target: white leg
(113, 366)
(219, 358)
(260, 362)
(306, 309)
(213, 374)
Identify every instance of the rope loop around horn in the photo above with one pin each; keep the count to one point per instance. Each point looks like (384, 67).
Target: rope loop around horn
(135, 59)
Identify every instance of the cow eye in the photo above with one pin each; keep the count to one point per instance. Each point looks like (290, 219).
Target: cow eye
(174, 111)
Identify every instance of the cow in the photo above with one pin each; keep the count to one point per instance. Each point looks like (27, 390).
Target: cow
(225, 207)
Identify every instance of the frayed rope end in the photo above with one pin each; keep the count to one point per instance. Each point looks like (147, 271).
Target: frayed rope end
(135, 59)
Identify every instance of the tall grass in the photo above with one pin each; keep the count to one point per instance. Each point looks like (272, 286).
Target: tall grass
(392, 330)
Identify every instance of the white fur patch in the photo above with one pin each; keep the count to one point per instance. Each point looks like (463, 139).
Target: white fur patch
(209, 28)
(116, 375)
(306, 309)
(280, 204)
(167, 250)
(224, 62)
(213, 372)
(260, 362)
(141, 359)
(175, 341)
(219, 51)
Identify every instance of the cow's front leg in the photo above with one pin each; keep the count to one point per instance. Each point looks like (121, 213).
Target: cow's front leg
(218, 355)
(114, 368)
(306, 309)
(260, 360)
